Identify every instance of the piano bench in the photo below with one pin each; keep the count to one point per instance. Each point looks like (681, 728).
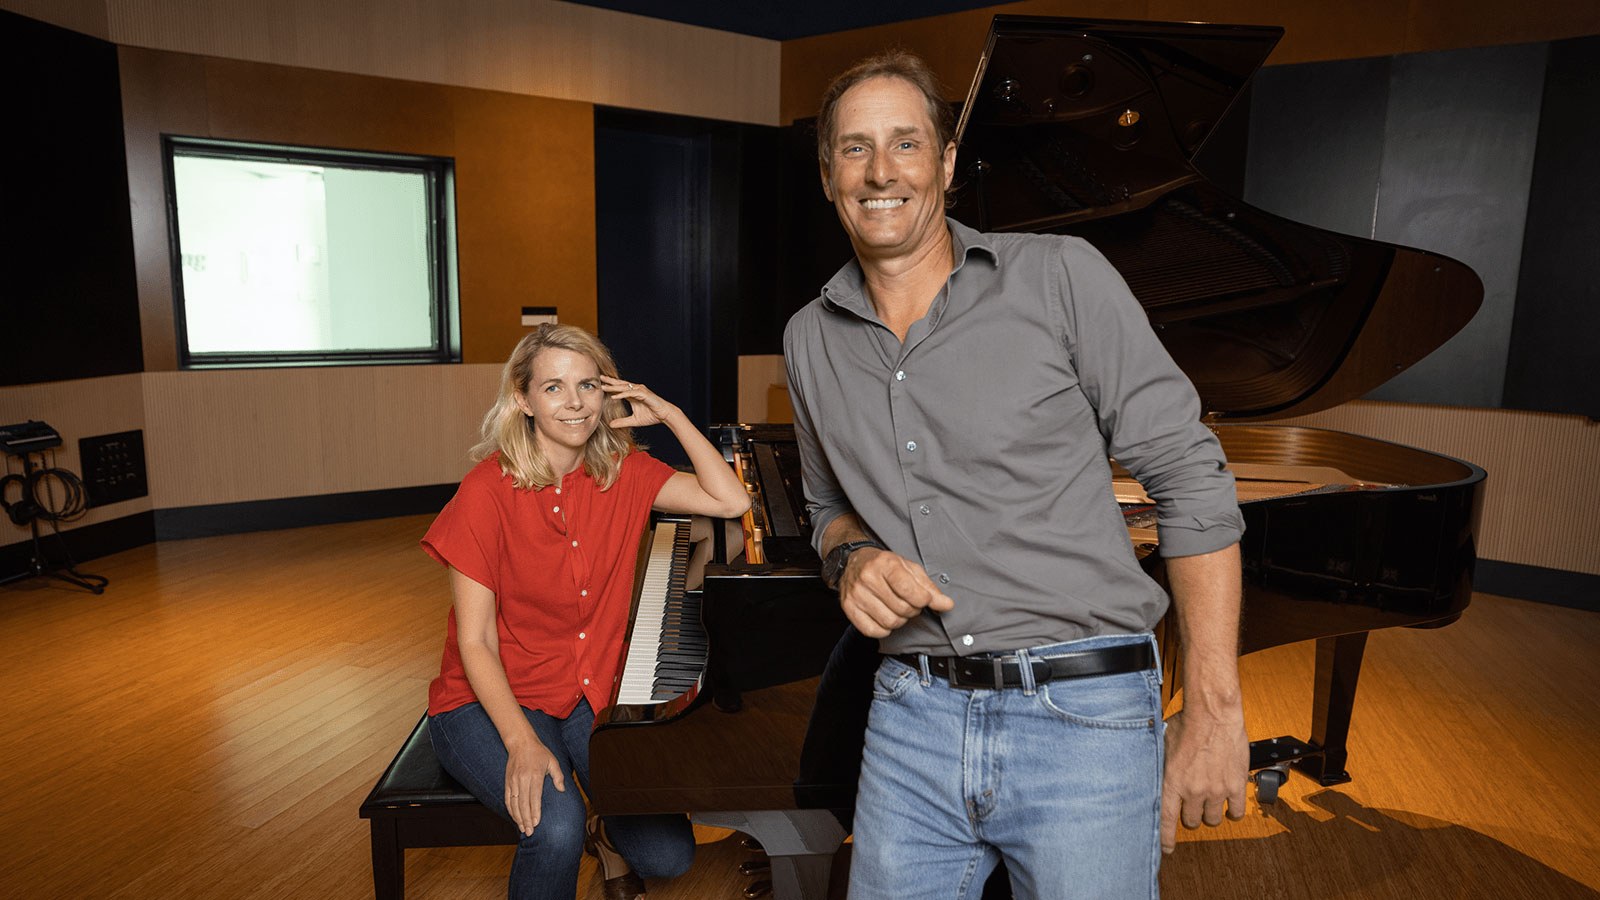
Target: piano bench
(417, 804)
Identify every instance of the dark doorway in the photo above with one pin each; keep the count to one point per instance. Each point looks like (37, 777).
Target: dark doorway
(667, 215)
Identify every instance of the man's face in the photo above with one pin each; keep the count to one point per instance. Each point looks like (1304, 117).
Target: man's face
(885, 175)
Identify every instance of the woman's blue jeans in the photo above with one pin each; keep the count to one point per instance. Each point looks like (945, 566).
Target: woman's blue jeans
(1062, 780)
(546, 864)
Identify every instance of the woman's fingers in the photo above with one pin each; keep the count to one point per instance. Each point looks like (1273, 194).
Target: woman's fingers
(525, 775)
(647, 408)
(518, 807)
(621, 386)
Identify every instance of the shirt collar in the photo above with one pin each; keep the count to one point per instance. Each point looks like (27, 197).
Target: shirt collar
(846, 290)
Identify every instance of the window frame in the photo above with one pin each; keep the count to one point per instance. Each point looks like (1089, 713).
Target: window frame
(443, 280)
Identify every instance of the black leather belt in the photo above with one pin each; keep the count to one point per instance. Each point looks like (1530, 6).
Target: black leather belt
(1004, 671)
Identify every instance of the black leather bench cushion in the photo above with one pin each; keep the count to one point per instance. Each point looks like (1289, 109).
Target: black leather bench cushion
(414, 779)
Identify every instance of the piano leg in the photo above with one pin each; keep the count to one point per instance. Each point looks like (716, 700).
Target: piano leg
(800, 844)
(1338, 667)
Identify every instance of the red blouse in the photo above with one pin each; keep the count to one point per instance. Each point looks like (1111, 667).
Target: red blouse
(560, 561)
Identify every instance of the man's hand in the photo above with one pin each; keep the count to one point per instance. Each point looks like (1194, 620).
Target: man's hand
(880, 591)
(1208, 762)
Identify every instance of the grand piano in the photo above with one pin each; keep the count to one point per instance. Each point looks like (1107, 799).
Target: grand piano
(745, 694)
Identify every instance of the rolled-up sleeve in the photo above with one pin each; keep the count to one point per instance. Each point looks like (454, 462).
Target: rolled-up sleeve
(1149, 413)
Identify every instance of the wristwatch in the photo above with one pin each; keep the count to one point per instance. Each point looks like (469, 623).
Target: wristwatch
(833, 564)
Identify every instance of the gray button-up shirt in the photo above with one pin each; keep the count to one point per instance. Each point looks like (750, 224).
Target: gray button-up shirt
(978, 447)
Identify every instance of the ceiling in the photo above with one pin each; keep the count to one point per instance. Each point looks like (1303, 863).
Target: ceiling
(782, 21)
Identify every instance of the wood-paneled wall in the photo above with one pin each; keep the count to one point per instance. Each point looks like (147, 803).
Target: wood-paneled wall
(261, 434)
(539, 47)
(273, 433)
(524, 176)
(1313, 30)
(83, 16)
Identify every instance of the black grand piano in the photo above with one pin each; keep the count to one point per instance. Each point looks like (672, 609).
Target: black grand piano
(744, 696)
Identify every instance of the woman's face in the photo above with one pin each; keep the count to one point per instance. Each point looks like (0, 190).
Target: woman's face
(564, 398)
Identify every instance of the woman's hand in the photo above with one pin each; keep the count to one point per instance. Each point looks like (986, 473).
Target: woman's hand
(526, 767)
(648, 409)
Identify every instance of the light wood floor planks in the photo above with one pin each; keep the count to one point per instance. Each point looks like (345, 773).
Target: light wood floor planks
(208, 727)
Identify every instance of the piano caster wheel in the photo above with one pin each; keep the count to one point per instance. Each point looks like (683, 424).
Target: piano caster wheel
(1268, 781)
(755, 866)
(753, 845)
(758, 889)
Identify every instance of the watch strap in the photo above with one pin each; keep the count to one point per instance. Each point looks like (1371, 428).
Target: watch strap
(839, 557)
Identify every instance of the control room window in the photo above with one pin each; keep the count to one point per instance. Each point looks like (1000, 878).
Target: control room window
(286, 256)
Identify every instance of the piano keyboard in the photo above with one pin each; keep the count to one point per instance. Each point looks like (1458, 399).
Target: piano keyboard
(667, 650)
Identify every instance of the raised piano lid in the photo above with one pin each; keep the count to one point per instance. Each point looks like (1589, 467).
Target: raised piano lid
(1087, 127)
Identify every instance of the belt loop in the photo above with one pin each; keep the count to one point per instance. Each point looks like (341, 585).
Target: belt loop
(922, 663)
(1155, 654)
(1025, 668)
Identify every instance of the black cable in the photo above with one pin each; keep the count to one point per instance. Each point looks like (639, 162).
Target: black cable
(73, 506)
(32, 503)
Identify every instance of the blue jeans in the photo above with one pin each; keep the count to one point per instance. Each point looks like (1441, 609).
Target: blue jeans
(546, 864)
(1062, 780)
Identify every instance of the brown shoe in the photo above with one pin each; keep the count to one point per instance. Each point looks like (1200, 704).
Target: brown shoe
(621, 882)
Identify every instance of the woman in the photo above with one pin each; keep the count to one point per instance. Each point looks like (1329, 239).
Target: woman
(540, 541)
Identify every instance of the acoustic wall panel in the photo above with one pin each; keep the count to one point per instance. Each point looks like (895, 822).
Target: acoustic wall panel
(1457, 161)
(1554, 361)
(1316, 142)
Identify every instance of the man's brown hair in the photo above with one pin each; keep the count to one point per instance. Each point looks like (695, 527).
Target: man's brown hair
(889, 64)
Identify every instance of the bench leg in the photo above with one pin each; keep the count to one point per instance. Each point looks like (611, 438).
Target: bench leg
(388, 861)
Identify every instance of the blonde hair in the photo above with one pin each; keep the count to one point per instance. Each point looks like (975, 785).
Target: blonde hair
(507, 430)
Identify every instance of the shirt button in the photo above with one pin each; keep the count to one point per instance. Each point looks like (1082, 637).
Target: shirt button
(944, 578)
(574, 543)
(582, 635)
(558, 490)
(925, 510)
(966, 639)
(555, 509)
(912, 446)
(583, 593)
(586, 681)
(900, 375)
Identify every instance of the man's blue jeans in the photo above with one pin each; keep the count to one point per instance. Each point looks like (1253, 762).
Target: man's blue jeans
(1062, 780)
(546, 864)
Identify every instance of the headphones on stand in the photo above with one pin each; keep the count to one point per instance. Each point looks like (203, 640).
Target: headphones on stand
(25, 509)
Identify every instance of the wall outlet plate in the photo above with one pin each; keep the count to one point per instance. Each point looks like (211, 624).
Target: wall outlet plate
(113, 467)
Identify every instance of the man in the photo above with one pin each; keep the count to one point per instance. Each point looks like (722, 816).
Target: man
(956, 397)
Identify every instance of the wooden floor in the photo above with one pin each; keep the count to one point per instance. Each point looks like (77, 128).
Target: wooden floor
(208, 727)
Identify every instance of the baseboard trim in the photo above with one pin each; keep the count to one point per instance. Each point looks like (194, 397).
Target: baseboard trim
(80, 544)
(1577, 590)
(296, 512)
